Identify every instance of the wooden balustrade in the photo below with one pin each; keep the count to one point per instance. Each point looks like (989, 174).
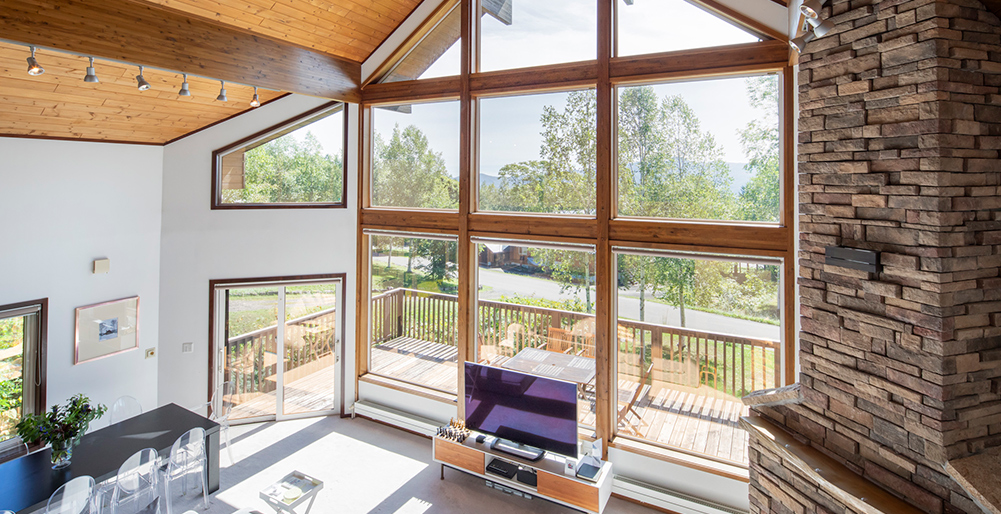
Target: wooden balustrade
(732, 364)
(252, 358)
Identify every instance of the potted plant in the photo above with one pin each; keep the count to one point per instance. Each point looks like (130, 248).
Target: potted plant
(61, 427)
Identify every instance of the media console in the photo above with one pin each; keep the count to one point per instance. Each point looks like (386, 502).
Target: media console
(472, 457)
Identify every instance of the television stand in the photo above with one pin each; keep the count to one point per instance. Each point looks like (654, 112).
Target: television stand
(523, 451)
(550, 484)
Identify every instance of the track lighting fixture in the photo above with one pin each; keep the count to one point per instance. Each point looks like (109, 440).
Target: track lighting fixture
(798, 43)
(820, 27)
(256, 102)
(91, 76)
(143, 85)
(222, 92)
(811, 8)
(34, 68)
(184, 86)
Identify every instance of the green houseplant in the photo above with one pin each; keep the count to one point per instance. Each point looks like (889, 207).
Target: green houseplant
(61, 427)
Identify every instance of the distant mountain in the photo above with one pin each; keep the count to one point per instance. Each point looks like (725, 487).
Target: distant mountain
(488, 180)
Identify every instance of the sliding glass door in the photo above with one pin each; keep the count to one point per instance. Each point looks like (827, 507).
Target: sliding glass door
(278, 344)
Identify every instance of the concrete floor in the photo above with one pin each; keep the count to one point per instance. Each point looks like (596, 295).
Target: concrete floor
(366, 468)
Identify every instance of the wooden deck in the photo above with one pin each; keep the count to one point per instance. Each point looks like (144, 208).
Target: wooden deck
(700, 420)
(314, 392)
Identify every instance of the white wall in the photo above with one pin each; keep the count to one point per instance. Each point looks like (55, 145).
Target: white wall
(65, 204)
(199, 244)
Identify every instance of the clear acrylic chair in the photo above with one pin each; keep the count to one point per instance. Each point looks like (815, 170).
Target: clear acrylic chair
(73, 497)
(187, 457)
(124, 408)
(221, 411)
(137, 484)
(11, 449)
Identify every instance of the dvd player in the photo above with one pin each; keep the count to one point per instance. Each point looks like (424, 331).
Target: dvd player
(502, 468)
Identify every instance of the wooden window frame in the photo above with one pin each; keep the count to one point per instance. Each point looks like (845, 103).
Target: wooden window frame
(303, 119)
(775, 240)
(40, 405)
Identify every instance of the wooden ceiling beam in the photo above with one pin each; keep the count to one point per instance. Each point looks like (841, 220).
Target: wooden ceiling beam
(159, 37)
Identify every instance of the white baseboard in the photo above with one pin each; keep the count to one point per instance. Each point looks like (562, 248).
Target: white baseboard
(666, 499)
(405, 420)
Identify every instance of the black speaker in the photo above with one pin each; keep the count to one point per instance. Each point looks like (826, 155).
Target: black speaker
(527, 476)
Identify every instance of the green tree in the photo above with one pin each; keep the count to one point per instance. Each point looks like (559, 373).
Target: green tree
(759, 198)
(574, 270)
(407, 172)
(286, 170)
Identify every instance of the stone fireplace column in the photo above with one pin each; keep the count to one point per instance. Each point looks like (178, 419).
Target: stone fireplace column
(899, 139)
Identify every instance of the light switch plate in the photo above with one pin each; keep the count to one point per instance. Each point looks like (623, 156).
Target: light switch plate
(187, 347)
(150, 353)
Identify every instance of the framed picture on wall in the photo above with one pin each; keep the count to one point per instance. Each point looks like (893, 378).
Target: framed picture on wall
(107, 328)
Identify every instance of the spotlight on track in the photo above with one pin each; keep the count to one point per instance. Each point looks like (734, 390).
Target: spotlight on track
(811, 8)
(799, 43)
(91, 76)
(141, 82)
(820, 27)
(34, 69)
(222, 92)
(184, 86)
(256, 102)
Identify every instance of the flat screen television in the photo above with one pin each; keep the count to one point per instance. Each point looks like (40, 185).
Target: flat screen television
(526, 409)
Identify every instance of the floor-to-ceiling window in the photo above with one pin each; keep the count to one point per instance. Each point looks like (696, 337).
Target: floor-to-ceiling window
(620, 204)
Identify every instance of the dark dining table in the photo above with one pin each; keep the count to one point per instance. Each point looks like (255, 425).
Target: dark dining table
(27, 482)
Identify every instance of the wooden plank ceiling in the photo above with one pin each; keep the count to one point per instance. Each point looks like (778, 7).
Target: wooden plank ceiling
(59, 104)
(351, 29)
(304, 46)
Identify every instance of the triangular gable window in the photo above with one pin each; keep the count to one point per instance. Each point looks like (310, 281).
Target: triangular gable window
(436, 55)
(653, 26)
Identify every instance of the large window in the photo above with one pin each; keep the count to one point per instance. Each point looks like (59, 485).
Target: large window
(298, 163)
(415, 155)
(436, 54)
(413, 311)
(22, 363)
(537, 153)
(682, 153)
(621, 219)
(694, 334)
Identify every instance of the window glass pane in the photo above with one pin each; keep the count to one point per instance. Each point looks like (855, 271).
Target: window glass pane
(299, 164)
(537, 153)
(684, 153)
(651, 26)
(535, 313)
(11, 377)
(311, 333)
(694, 336)
(437, 55)
(523, 34)
(414, 309)
(251, 360)
(415, 155)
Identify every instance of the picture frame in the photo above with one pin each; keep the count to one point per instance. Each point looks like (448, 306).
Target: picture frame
(105, 329)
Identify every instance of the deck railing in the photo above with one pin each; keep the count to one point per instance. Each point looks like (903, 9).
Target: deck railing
(252, 358)
(731, 364)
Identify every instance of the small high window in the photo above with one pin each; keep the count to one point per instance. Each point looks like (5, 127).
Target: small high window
(298, 163)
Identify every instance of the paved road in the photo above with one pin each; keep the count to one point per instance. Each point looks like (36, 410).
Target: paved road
(496, 283)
